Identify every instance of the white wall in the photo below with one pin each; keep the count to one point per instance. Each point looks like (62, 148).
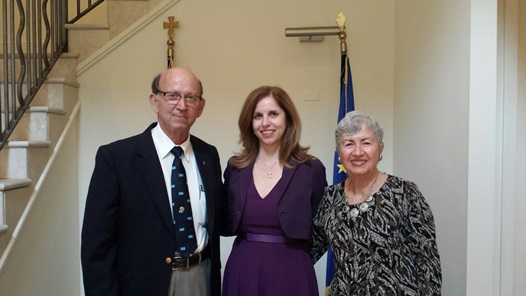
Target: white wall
(431, 119)
(235, 46)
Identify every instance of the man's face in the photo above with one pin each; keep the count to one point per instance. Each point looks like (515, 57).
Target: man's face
(176, 118)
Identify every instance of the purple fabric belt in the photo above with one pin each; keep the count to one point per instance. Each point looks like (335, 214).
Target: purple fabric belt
(266, 238)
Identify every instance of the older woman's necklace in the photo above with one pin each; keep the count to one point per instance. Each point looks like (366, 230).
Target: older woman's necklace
(269, 169)
(366, 204)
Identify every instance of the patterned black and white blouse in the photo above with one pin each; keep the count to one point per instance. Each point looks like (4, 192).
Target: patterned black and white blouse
(388, 250)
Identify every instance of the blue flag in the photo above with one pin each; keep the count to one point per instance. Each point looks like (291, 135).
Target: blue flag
(346, 105)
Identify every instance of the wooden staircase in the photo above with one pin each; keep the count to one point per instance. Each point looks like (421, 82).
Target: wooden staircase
(29, 152)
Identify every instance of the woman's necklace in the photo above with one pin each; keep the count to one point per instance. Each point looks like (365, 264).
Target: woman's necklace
(366, 204)
(269, 169)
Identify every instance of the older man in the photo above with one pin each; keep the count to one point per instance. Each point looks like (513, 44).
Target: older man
(144, 233)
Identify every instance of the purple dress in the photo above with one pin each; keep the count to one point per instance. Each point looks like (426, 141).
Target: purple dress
(273, 269)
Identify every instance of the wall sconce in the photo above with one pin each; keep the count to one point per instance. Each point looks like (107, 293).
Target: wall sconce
(312, 34)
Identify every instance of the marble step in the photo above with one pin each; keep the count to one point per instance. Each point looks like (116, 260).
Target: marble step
(85, 39)
(14, 194)
(24, 159)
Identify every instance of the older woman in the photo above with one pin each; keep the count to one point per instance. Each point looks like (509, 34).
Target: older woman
(379, 227)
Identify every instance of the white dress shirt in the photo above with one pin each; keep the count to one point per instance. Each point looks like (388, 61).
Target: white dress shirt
(164, 145)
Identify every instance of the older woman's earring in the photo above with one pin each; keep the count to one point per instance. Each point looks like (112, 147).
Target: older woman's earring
(381, 157)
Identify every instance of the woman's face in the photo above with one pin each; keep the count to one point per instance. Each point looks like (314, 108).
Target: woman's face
(359, 153)
(269, 122)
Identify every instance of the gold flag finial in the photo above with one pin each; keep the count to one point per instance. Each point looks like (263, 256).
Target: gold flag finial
(340, 20)
(170, 53)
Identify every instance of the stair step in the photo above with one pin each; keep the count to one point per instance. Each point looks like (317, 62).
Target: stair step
(24, 159)
(14, 194)
(40, 123)
(54, 92)
(10, 184)
(64, 67)
(6, 185)
(59, 93)
(85, 39)
(123, 13)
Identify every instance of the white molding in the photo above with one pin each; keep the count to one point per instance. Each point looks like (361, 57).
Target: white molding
(509, 61)
(484, 153)
(125, 35)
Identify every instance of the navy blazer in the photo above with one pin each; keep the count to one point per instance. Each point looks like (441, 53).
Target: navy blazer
(128, 232)
(300, 195)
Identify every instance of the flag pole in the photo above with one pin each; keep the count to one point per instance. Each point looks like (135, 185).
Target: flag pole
(346, 105)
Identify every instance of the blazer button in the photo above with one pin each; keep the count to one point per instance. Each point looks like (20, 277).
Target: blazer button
(282, 214)
(168, 260)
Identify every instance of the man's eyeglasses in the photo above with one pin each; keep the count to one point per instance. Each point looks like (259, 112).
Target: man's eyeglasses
(173, 98)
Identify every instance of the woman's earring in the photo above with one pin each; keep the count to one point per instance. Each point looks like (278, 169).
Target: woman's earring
(381, 157)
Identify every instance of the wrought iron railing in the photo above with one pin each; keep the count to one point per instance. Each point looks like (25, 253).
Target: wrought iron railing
(34, 36)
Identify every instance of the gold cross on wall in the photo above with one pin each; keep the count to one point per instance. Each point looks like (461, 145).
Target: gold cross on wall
(171, 25)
